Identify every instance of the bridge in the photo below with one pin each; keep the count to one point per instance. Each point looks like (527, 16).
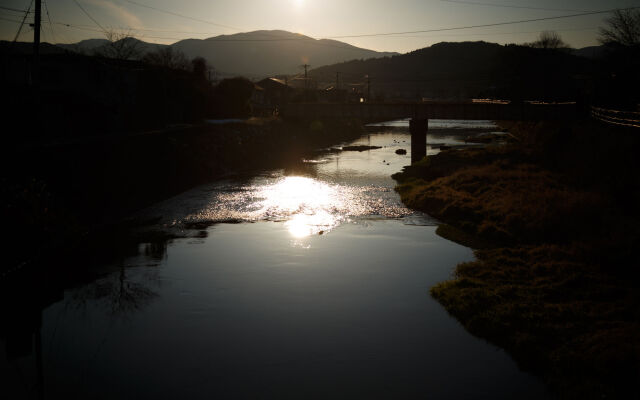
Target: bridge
(420, 113)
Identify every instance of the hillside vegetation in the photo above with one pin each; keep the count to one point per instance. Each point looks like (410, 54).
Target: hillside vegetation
(467, 70)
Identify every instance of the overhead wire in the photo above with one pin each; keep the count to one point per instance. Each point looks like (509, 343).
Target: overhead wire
(485, 25)
(53, 36)
(101, 30)
(15, 9)
(479, 3)
(22, 23)
(10, 20)
(180, 15)
(309, 39)
(89, 15)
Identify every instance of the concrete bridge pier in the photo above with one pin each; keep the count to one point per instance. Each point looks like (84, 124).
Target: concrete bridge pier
(418, 128)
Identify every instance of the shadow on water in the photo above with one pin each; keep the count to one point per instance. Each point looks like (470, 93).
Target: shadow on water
(99, 271)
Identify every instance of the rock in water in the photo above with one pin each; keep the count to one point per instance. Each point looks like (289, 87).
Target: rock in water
(360, 148)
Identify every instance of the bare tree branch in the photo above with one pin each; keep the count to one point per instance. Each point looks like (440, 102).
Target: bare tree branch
(122, 46)
(549, 40)
(623, 28)
(167, 57)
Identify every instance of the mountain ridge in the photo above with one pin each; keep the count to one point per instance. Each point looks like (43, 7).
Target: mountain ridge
(254, 54)
(271, 52)
(462, 70)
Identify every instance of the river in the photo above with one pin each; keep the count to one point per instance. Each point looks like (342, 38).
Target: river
(307, 282)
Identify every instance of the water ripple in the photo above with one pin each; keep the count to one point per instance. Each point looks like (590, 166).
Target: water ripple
(307, 205)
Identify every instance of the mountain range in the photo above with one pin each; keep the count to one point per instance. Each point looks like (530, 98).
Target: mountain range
(444, 70)
(254, 54)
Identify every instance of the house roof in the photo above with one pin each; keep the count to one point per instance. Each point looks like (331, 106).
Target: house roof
(271, 82)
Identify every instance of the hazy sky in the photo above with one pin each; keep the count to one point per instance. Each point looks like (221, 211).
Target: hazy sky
(316, 18)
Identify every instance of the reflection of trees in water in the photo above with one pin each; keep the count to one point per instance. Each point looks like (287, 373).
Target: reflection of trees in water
(123, 289)
(156, 251)
(127, 295)
(118, 291)
(130, 287)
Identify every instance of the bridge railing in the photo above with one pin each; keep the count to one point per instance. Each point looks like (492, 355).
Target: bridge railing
(615, 117)
(468, 111)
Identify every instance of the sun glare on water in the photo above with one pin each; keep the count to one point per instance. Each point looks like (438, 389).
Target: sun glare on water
(307, 205)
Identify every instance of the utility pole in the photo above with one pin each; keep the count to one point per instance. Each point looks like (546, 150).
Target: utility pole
(306, 77)
(36, 43)
(286, 89)
(306, 82)
(368, 88)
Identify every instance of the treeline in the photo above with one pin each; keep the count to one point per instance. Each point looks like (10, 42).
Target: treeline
(545, 70)
(81, 95)
(455, 71)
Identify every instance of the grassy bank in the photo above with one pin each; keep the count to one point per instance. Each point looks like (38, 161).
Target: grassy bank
(553, 218)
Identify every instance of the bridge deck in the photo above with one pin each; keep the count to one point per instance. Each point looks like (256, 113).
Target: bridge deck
(371, 112)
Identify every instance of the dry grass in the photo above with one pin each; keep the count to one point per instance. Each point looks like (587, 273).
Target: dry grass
(556, 313)
(556, 282)
(506, 202)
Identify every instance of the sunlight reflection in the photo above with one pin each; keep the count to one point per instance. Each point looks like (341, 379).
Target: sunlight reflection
(305, 205)
(303, 225)
(309, 206)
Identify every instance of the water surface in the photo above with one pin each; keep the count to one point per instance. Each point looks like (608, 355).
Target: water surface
(319, 289)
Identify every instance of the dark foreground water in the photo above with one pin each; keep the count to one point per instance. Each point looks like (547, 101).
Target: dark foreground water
(321, 291)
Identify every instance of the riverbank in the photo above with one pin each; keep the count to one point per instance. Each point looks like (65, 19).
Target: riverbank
(553, 218)
(55, 191)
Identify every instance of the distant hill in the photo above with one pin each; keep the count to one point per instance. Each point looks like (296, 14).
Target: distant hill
(463, 70)
(253, 54)
(27, 48)
(265, 53)
(592, 52)
(444, 70)
(84, 46)
(97, 46)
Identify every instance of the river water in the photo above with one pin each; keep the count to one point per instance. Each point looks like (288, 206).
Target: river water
(307, 282)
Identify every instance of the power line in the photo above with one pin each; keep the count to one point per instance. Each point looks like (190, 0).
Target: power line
(485, 25)
(311, 40)
(478, 3)
(497, 33)
(10, 20)
(53, 37)
(22, 23)
(306, 39)
(135, 28)
(181, 15)
(318, 42)
(15, 9)
(90, 17)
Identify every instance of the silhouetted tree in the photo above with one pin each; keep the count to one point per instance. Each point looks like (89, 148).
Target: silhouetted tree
(122, 46)
(623, 28)
(167, 57)
(620, 85)
(232, 97)
(199, 67)
(549, 40)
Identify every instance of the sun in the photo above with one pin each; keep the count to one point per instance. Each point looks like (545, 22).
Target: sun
(298, 3)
